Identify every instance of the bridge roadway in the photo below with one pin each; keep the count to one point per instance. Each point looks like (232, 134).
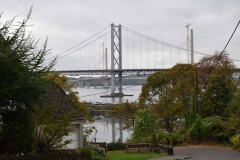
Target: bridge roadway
(78, 81)
(129, 73)
(106, 78)
(109, 72)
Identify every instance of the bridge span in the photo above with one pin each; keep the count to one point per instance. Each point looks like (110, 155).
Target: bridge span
(80, 81)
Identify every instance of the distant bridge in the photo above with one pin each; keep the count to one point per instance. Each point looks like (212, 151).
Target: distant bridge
(142, 54)
(109, 72)
(79, 82)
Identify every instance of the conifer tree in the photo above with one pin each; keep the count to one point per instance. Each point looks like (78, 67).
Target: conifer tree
(22, 82)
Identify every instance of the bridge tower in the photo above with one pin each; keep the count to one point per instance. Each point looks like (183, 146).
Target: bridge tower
(116, 60)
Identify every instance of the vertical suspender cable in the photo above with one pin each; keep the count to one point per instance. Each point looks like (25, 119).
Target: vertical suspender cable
(155, 54)
(133, 51)
(162, 56)
(127, 49)
(170, 58)
(178, 57)
(87, 55)
(147, 55)
(93, 51)
(84, 53)
(141, 51)
(107, 44)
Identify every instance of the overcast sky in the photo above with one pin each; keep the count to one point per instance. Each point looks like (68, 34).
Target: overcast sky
(68, 22)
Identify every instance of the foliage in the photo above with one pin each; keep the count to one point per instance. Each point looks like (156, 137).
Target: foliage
(221, 129)
(233, 111)
(22, 82)
(126, 111)
(16, 131)
(170, 94)
(235, 140)
(199, 130)
(218, 85)
(211, 129)
(132, 156)
(170, 138)
(50, 131)
(93, 152)
(145, 126)
(154, 140)
(87, 152)
(116, 146)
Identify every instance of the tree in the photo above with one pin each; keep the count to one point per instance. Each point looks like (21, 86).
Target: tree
(218, 85)
(126, 111)
(50, 130)
(146, 126)
(184, 85)
(22, 82)
(233, 112)
(170, 94)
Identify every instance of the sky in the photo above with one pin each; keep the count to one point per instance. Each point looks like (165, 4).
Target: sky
(66, 23)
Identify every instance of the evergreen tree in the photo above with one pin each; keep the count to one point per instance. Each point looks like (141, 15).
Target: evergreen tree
(22, 82)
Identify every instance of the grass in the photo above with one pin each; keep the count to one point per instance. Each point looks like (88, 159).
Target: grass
(121, 155)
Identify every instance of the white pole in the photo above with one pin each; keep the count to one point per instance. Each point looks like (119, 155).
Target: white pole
(192, 49)
(188, 41)
(103, 56)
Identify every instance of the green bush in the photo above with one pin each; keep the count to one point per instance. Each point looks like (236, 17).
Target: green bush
(211, 129)
(145, 125)
(235, 140)
(93, 152)
(170, 138)
(154, 140)
(221, 129)
(87, 152)
(146, 139)
(199, 130)
(116, 146)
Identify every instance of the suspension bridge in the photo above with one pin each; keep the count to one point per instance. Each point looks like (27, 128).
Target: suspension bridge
(131, 53)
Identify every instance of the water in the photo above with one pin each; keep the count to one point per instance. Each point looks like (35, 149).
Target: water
(93, 94)
(108, 129)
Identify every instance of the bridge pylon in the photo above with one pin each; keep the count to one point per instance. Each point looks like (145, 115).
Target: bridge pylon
(116, 60)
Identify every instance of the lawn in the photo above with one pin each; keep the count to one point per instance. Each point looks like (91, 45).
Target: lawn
(121, 155)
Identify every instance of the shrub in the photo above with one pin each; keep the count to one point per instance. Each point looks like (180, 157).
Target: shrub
(146, 139)
(154, 140)
(235, 140)
(221, 130)
(213, 129)
(93, 152)
(87, 152)
(170, 138)
(199, 130)
(116, 146)
(145, 125)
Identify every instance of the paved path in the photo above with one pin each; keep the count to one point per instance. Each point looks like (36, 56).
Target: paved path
(202, 154)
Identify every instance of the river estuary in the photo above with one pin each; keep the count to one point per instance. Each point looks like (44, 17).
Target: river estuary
(108, 129)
